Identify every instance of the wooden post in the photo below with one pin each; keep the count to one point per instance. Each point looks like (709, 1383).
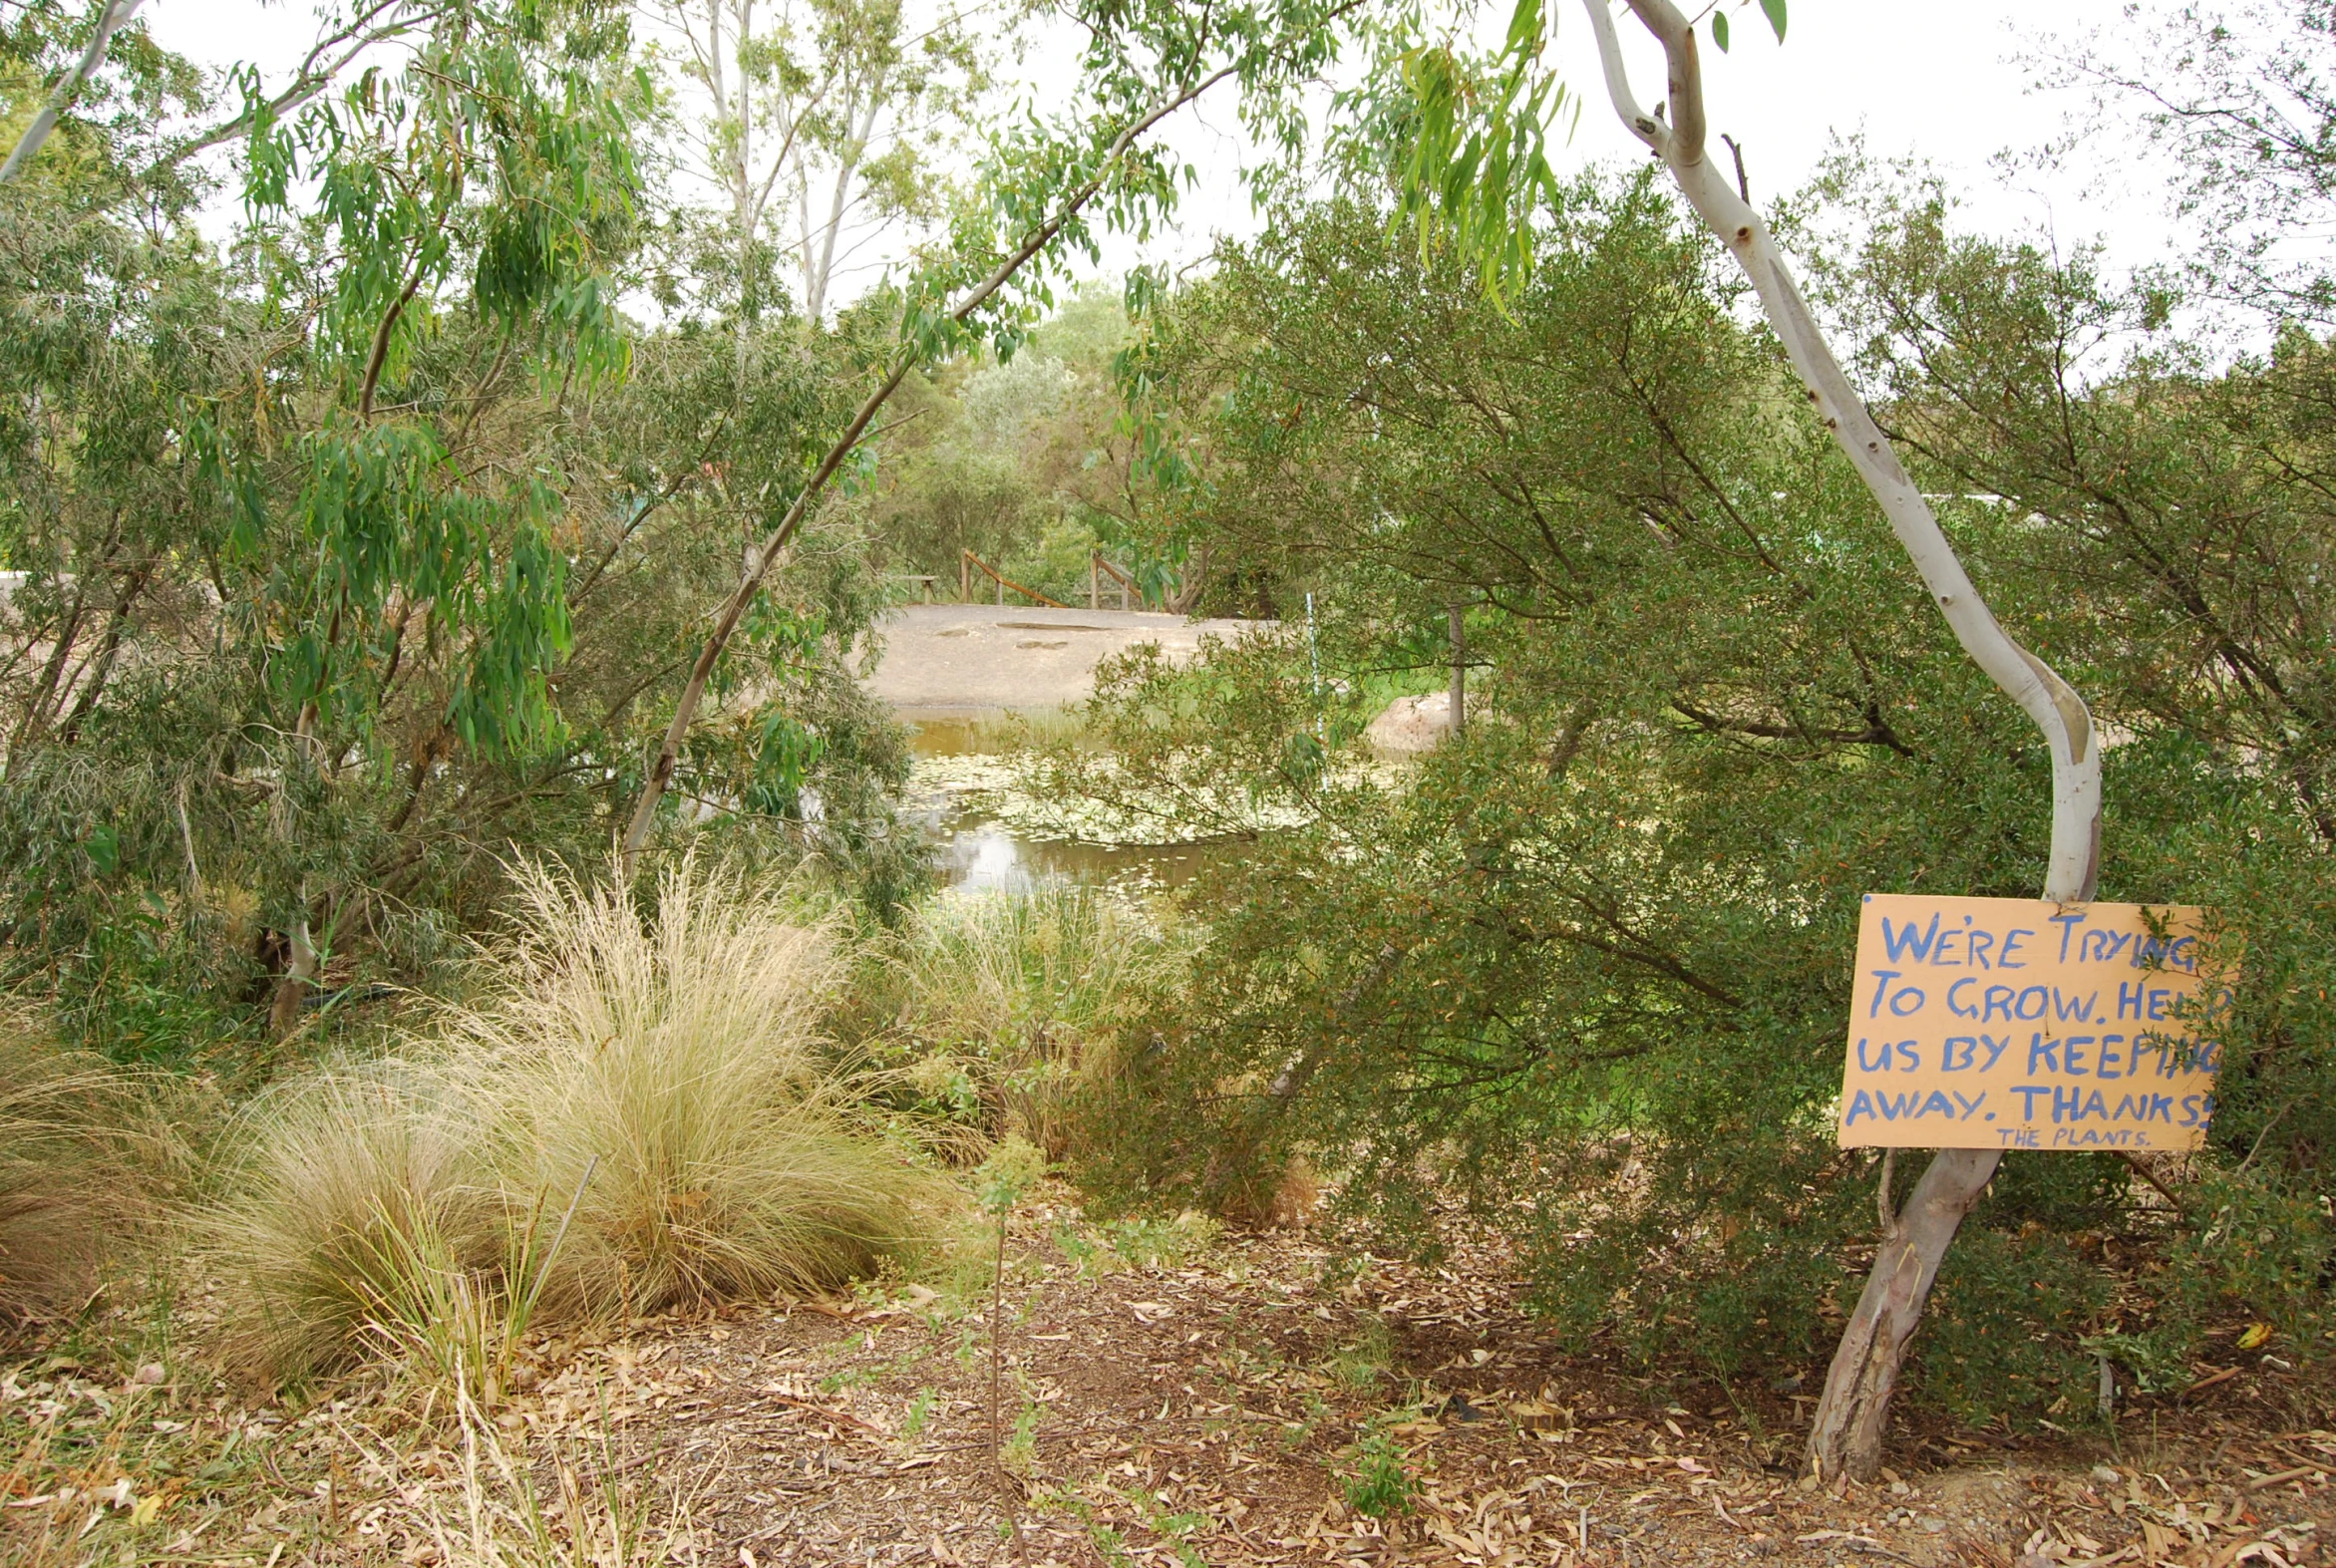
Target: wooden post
(1460, 669)
(1094, 582)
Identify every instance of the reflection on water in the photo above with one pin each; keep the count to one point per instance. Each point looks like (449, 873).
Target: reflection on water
(976, 851)
(983, 856)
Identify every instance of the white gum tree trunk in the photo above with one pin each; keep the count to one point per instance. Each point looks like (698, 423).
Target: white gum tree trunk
(1846, 1435)
(28, 146)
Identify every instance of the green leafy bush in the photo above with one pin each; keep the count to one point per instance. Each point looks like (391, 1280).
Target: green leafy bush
(1581, 973)
(2004, 1333)
(1015, 1006)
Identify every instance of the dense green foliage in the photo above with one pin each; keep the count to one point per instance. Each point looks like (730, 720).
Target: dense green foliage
(357, 556)
(350, 562)
(1584, 972)
(1021, 463)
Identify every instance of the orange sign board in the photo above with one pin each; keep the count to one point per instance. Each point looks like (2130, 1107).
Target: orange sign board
(2014, 1023)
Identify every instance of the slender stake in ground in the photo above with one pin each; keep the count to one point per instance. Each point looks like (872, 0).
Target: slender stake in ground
(997, 1340)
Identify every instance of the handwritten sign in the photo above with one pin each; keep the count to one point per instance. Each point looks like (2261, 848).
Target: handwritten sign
(2010, 1022)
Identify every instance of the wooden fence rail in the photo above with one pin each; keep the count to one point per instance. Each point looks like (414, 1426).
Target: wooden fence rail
(965, 582)
(1097, 569)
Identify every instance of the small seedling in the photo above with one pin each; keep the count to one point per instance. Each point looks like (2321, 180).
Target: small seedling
(1012, 1168)
(1021, 1449)
(1380, 1485)
(1179, 1528)
(1082, 1252)
(1361, 1362)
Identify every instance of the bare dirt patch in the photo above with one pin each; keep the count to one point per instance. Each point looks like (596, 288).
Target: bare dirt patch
(980, 658)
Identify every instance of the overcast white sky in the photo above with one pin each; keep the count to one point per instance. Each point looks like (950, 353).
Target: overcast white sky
(1934, 80)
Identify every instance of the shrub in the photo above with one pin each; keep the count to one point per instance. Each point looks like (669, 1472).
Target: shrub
(1027, 998)
(2251, 1245)
(1378, 1482)
(634, 1113)
(2004, 1335)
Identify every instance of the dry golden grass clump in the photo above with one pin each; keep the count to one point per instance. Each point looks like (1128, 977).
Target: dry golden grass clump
(735, 1155)
(637, 1112)
(346, 1191)
(84, 1159)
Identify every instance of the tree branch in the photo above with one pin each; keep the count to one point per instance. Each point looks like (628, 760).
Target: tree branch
(110, 18)
(314, 75)
(734, 608)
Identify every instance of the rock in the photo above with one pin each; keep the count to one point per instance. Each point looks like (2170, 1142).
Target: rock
(1411, 725)
(2105, 1475)
(148, 1375)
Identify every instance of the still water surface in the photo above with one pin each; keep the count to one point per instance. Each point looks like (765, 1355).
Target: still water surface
(963, 775)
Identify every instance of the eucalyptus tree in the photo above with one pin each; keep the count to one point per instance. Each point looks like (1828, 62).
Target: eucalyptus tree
(109, 18)
(1846, 1434)
(345, 559)
(1474, 170)
(2242, 100)
(307, 507)
(484, 181)
(1464, 145)
(1586, 970)
(1048, 190)
(826, 120)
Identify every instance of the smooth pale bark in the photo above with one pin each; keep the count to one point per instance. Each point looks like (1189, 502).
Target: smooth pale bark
(28, 146)
(1460, 669)
(1852, 1413)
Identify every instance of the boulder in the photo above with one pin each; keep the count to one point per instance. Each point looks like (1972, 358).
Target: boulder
(1411, 725)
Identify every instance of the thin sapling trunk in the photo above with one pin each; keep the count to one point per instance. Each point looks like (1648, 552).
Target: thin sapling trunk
(998, 1346)
(1010, 1170)
(1846, 1435)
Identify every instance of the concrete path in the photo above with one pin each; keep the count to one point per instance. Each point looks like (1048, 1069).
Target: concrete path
(964, 659)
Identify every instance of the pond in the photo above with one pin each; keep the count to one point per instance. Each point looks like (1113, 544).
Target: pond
(964, 789)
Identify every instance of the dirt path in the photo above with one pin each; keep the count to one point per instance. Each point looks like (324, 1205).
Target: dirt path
(1169, 1400)
(944, 659)
(1243, 1406)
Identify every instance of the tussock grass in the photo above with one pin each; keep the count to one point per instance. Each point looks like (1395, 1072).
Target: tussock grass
(84, 1159)
(736, 1156)
(637, 1112)
(1031, 993)
(353, 1195)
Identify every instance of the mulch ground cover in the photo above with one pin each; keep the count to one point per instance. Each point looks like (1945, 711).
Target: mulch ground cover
(1236, 1407)
(1257, 1399)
